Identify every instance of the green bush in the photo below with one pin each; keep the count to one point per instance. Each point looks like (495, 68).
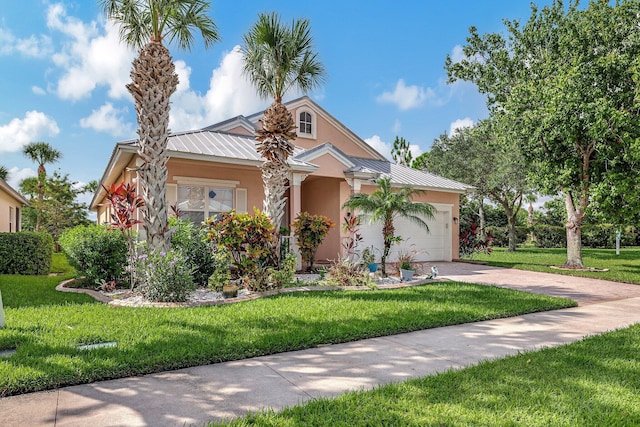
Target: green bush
(604, 236)
(97, 253)
(25, 253)
(191, 241)
(550, 236)
(500, 236)
(165, 276)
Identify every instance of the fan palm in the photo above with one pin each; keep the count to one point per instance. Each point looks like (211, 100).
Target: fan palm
(145, 24)
(385, 204)
(42, 154)
(279, 58)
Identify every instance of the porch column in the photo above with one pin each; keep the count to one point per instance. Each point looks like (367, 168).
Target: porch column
(295, 206)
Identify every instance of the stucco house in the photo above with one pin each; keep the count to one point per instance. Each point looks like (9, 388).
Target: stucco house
(216, 169)
(11, 203)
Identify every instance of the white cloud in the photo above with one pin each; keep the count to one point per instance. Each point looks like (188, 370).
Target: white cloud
(108, 119)
(229, 94)
(460, 124)
(19, 132)
(35, 47)
(38, 90)
(380, 146)
(457, 54)
(17, 175)
(94, 57)
(407, 97)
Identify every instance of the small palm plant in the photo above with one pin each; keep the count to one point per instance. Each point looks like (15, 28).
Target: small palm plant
(385, 204)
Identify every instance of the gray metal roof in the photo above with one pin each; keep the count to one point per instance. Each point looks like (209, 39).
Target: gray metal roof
(403, 175)
(219, 144)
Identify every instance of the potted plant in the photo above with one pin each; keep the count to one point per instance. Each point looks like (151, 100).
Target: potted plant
(405, 258)
(369, 259)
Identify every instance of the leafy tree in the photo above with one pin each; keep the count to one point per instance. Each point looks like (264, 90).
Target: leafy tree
(146, 25)
(42, 154)
(4, 173)
(486, 157)
(58, 209)
(401, 153)
(385, 204)
(568, 80)
(278, 58)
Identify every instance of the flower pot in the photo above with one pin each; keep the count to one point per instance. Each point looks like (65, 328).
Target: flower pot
(373, 267)
(406, 275)
(230, 291)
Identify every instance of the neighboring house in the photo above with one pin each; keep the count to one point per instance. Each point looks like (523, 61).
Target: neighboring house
(11, 203)
(216, 169)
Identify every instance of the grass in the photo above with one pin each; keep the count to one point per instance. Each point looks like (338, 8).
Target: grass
(622, 268)
(593, 382)
(46, 327)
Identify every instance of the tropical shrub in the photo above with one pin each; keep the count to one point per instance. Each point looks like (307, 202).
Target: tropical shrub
(193, 243)
(604, 236)
(221, 274)
(165, 276)
(250, 241)
(471, 242)
(279, 277)
(97, 253)
(310, 230)
(549, 236)
(347, 273)
(26, 253)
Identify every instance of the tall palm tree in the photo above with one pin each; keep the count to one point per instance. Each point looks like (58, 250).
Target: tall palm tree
(42, 154)
(145, 24)
(4, 173)
(278, 58)
(385, 204)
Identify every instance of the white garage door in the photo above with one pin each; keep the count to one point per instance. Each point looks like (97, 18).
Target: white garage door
(434, 245)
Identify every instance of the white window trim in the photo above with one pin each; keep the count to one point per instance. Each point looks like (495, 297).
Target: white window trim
(314, 123)
(206, 182)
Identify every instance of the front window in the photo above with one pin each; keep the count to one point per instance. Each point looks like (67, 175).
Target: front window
(196, 203)
(306, 124)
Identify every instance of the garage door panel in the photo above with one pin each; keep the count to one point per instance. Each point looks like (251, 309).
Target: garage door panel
(429, 246)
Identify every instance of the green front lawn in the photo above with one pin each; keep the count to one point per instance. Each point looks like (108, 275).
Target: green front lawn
(622, 268)
(46, 326)
(593, 382)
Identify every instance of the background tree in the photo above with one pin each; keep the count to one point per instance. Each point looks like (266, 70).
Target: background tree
(385, 204)
(42, 154)
(401, 153)
(4, 173)
(59, 208)
(146, 25)
(568, 81)
(278, 58)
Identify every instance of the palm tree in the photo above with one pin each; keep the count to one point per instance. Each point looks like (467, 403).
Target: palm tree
(278, 58)
(145, 25)
(385, 204)
(4, 173)
(42, 154)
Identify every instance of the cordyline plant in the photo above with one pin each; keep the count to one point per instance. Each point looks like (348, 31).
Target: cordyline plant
(351, 226)
(471, 242)
(310, 230)
(124, 203)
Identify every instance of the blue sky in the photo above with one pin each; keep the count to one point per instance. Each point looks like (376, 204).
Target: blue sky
(64, 73)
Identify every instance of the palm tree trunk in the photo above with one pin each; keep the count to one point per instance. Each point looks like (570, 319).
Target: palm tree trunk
(153, 82)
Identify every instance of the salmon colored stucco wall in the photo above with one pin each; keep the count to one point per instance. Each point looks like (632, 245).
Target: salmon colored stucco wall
(321, 196)
(325, 132)
(7, 201)
(240, 130)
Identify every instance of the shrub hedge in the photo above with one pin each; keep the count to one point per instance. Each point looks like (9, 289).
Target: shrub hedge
(25, 253)
(97, 253)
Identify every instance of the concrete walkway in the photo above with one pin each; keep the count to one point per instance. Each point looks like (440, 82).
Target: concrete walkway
(225, 390)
